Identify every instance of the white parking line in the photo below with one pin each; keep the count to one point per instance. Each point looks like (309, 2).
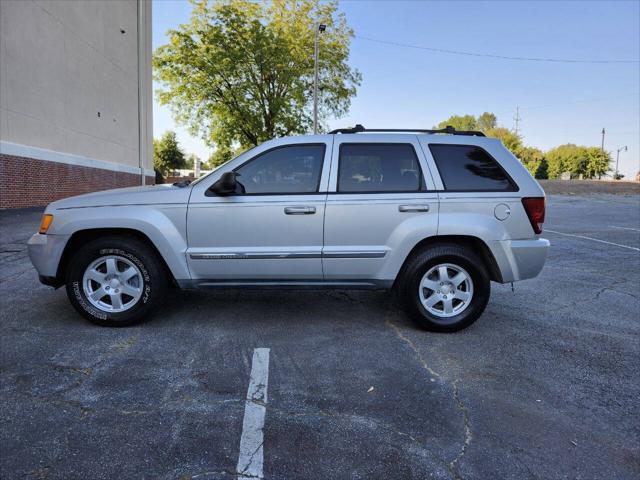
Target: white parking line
(250, 459)
(626, 228)
(592, 239)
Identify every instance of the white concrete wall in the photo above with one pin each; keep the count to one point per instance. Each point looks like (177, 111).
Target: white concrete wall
(62, 62)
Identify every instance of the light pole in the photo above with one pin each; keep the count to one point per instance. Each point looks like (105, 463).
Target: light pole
(602, 149)
(621, 149)
(319, 29)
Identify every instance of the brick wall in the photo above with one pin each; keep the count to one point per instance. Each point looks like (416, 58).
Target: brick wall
(27, 182)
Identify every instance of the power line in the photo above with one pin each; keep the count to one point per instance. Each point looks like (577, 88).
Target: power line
(586, 100)
(489, 55)
(571, 102)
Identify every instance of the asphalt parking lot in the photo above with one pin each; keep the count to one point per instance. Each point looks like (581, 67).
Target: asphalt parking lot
(545, 385)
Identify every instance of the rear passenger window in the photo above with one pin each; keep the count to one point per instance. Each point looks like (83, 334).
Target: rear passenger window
(470, 168)
(370, 167)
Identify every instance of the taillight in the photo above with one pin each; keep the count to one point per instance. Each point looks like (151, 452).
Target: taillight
(534, 206)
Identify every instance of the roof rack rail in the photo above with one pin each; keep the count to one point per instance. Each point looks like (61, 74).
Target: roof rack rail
(447, 130)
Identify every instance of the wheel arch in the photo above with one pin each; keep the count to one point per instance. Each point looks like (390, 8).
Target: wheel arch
(81, 237)
(475, 244)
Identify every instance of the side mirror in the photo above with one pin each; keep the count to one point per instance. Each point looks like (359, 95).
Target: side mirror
(225, 185)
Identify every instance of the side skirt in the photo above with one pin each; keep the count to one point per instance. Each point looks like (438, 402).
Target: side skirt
(285, 284)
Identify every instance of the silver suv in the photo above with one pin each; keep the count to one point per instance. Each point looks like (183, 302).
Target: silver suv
(434, 214)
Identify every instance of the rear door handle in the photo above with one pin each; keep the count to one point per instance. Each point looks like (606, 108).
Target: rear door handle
(299, 210)
(413, 208)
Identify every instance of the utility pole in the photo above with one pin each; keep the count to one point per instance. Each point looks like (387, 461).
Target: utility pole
(517, 120)
(601, 149)
(319, 28)
(621, 149)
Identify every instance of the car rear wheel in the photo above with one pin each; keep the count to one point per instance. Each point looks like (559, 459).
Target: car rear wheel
(115, 281)
(444, 288)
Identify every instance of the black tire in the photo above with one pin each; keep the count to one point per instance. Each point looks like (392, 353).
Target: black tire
(154, 280)
(408, 287)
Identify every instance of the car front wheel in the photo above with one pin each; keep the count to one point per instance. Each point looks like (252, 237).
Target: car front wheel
(445, 288)
(115, 281)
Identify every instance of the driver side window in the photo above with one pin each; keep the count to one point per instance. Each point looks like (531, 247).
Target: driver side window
(283, 170)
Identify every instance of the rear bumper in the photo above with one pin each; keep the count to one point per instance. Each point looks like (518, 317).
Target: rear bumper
(520, 259)
(45, 252)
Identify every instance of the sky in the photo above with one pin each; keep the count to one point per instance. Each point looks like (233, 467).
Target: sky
(406, 87)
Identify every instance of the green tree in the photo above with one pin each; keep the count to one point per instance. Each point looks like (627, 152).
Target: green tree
(221, 155)
(508, 138)
(167, 155)
(590, 162)
(533, 158)
(486, 121)
(542, 172)
(566, 158)
(241, 72)
(460, 122)
(597, 162)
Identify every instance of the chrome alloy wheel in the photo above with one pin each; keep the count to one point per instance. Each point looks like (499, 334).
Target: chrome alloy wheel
(112, 284)
(446, 290)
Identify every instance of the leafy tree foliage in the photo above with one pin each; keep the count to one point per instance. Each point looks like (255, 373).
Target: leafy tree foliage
(535, 161)
(598, 163)
(508, 137)
(223, 154)
(590, 162)
(241, 72)
(484, 122)
(542, 170)
(460, 122)
(167, 155)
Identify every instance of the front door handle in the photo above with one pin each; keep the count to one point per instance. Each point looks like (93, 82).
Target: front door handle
(299, 210)
(413, 208)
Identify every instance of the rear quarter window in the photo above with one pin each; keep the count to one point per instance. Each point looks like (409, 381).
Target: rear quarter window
(469, 168)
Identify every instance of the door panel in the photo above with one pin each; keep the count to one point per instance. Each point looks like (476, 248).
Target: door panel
(254, 238)
(365, 231)
(263, 234)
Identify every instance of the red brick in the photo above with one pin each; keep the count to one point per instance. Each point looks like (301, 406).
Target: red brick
(28, 182)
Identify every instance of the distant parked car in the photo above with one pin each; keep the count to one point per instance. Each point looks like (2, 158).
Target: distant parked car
(436, 215)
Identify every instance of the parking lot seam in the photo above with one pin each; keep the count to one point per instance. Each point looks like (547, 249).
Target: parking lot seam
(468, 436)
(460, 405)
(415, 349)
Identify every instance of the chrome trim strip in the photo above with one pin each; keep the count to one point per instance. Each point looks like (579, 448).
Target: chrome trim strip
(252, 256)
(372, 254)
(275, 256)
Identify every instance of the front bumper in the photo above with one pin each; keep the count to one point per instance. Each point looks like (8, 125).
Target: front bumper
(45, 252)
(520, 259)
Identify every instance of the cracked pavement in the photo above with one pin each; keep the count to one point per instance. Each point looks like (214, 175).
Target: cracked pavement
(545, 385)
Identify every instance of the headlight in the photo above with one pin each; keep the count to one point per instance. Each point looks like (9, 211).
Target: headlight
(45, 223)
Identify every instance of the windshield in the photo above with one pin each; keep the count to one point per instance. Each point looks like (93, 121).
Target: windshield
(198, 180)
